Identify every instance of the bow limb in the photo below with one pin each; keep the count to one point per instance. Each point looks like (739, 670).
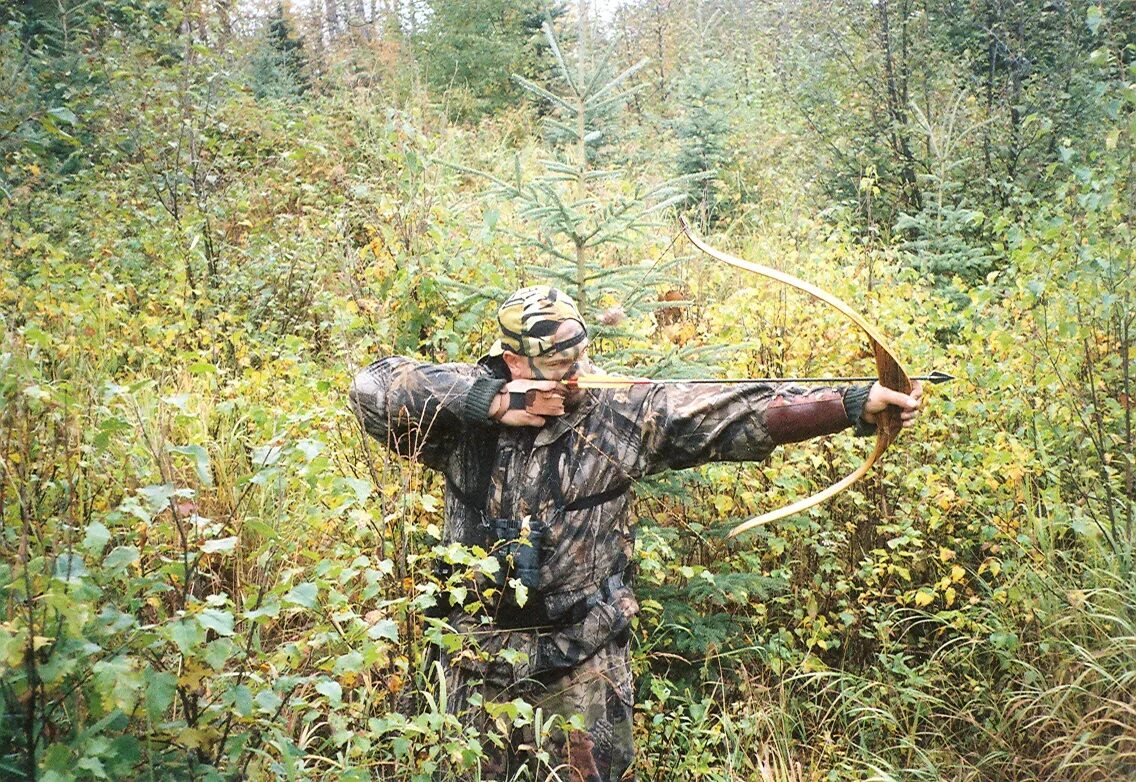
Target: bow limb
(888, 370)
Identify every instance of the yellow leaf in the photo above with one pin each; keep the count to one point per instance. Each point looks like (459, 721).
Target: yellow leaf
(192, 676)
(958, 573)
(993, 566)
(192, 738)
(946, 499)
(724, 503)
(946, 554)
(924, 598)
(949, 595)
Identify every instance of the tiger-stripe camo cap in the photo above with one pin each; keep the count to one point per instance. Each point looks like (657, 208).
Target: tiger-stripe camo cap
(529, 320)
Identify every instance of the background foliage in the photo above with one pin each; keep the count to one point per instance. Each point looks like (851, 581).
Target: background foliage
(213, 215)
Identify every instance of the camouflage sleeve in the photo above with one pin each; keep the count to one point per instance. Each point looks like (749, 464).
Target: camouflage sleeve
(687, 425)
(421, 410)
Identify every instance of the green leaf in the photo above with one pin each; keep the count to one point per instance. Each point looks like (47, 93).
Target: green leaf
(93, 765)
(260, 528)
(242, 700)
(303, 595)
(126, 751)
(186, 635)
(160, 691)
(266, 455)
(384, 628)
(361, 487)
(219, 652)
(157, 497)
(309, 448)
(220, 545)
(520, 591)
(269, 609)
(120, 557)
(180, 401)
(70, 567)
(1094, 18)
(345, 663)
(96, 537)
(330, 689)
(220, 622)
(107, 429)
(57, 758)
(268, 701)
(200, 461)
(64, 115)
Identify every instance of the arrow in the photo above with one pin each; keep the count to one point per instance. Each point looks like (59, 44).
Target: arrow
(606, 381)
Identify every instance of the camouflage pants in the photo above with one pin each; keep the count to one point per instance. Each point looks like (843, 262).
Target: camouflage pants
(589, 709)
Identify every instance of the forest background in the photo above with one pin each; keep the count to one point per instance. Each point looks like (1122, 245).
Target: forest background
(214, 214)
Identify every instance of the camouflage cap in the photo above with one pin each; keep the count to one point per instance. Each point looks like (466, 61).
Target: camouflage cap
(529, 319)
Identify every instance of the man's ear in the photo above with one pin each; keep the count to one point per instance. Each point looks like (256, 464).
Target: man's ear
(515, 363)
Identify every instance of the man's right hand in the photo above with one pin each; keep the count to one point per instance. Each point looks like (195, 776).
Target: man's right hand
(542, 398)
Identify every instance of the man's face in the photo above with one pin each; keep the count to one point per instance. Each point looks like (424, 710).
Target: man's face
(558, 364)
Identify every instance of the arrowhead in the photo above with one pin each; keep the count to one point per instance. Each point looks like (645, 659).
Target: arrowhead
(939, 377)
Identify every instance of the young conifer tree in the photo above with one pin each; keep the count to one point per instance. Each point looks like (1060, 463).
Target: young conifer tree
(583, 200)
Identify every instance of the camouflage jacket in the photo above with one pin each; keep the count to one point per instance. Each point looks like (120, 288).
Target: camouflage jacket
(438, 414)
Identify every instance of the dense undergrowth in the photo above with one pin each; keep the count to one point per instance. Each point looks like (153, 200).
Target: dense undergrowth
(207, 571)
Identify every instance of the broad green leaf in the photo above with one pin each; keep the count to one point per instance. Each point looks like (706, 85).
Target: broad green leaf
(383, 629)
(220, 545)
(186, 634)
(1094, 17)
(64, 114)
(157, 497)
(303, 595)
(200, 461)
(220, 622)
(160, 690)
(242, 700)
(266, 455)
(330, 689)
(120, 557)
(268, 701)
(350, 662)
(70, 567)
(96, 537)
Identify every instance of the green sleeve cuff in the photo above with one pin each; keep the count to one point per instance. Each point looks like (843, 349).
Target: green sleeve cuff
(475, 409)
(854, 400)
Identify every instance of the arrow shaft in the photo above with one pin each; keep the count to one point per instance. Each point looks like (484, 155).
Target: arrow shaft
(615, 382)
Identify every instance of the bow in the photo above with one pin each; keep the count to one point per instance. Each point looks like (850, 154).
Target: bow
(889, 373)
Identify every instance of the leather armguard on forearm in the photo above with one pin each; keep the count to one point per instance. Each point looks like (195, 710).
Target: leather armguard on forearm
(790, 420)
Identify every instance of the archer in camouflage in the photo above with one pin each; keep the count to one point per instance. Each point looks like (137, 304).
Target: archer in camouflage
(538, 474)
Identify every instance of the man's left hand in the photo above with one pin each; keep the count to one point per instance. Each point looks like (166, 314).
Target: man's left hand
(880, 398)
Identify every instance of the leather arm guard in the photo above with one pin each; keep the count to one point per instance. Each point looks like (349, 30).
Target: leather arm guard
(791, 420)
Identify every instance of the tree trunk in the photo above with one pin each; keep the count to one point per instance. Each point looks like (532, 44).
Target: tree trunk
(897, 104)
(331, 13)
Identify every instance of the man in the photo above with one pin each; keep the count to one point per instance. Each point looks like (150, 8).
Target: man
(537, 472)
